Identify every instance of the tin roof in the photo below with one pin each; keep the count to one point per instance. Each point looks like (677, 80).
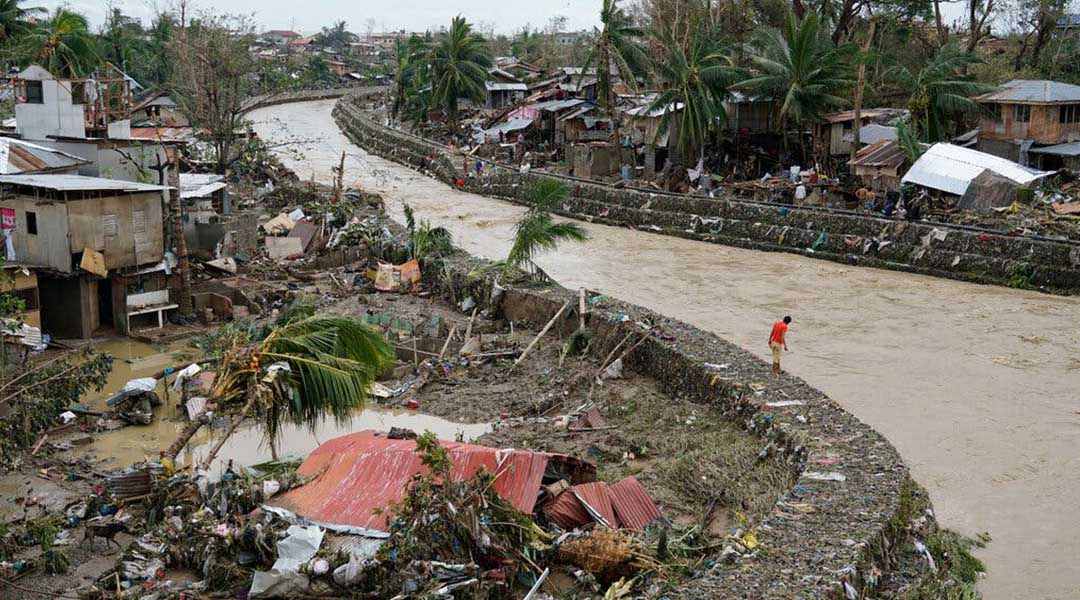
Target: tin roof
(1033, 90)
(497, 86)
(78, 183)
(17, 156)
(356, 475)
(625, 504)
(849, 115)
(633, 506)
(882, 153)
(1066, 149)
(951, 169)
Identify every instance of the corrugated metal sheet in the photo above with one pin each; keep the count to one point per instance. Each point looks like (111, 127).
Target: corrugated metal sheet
(496, 86)
(567, 512)
(634, 507)
(1034, 90)
(951, 169)
(74, 183)
(17, 156)
(883, 153)
(1066, 149)
(354, 476)
(595, 497)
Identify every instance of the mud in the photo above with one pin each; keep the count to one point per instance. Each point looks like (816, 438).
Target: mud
(976, 385)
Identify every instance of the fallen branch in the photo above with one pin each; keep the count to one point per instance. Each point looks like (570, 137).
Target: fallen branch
(540, 335)
(446, 345)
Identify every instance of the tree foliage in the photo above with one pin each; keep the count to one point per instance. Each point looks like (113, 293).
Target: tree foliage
(940, 92)
(537, 230)
(62, 44)
(459, 61)
(618, 48)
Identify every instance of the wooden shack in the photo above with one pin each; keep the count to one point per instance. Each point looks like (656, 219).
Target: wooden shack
(93, 242)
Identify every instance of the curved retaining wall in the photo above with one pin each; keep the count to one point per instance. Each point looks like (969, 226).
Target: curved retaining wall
(264, 100)
(848, 534)
(942, 250)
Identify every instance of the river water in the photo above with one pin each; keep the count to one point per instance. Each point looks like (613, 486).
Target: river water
(978, 386)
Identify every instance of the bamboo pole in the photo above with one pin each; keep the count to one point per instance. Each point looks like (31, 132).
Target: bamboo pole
(540, 335)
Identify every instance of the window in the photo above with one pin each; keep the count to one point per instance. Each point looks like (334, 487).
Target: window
(31, 223)
(995, 111)
(78, 92)
(1022, 113)
(109, 225)
(35, 93)
(1069, 113)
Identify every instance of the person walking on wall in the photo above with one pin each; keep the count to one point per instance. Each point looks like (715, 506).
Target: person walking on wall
(778, 342)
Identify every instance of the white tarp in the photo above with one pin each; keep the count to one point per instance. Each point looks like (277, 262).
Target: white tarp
(951, 169)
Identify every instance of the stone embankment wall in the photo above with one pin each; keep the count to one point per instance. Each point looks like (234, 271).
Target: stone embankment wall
(921, 247)
(264, 100)
(834, 532)
(849, 509)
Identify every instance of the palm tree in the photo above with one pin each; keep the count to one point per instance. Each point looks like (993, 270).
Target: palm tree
(800, 70)
(618, 47)
(412, 72)
(301, 372)
(694, 78)
(536, 230)
(62, 44)
(940, 91)
(459, 66)
(14, 19)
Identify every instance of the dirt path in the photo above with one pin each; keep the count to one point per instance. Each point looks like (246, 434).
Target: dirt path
(978, 386)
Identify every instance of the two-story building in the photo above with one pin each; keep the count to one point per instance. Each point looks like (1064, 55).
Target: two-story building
(1033, 122)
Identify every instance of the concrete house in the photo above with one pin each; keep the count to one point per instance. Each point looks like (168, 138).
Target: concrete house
(97, 246)
(1032, 122)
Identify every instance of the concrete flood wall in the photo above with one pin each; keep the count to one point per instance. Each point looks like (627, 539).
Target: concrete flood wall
(920, 247)
(852, 524)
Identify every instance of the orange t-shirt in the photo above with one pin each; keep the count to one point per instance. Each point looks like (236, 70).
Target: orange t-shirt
(779, 328)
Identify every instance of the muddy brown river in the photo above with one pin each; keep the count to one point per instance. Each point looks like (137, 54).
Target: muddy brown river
(978, 386)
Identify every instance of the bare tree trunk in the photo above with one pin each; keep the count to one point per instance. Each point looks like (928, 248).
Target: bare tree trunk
(859, 86)
(253, 396)
(943, 34)
(189, 432)
(977, 23)
(183, 265)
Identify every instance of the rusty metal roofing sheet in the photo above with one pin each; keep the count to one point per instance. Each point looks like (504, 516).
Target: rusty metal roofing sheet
(595, 497)
(633, 506)
(17, 156)
(882, 153)
(353, 477)
(567, 512)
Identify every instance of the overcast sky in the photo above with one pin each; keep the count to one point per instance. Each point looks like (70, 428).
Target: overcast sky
(307, 16)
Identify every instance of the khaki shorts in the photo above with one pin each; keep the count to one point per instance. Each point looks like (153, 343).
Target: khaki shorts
(776, 349)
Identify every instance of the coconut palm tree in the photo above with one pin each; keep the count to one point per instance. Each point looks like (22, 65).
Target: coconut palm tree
(537, 230)
(412, 72)
(939, 91)
(694, 78)
(301, 372)
(62, 44)
(801, 71)
(618, 47)
(459, 61)
(14, 19)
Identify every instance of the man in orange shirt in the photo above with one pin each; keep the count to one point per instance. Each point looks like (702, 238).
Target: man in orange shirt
(777, 341)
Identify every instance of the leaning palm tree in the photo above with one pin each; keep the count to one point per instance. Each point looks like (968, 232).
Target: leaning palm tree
(14, 19)
(459, 67)
(940, 93)
(537, 230)
(694, 78)
(63, 45)
(301, 372)
(617, 48)
(801, 71)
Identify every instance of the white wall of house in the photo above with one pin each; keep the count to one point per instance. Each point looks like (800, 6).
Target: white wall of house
(56, 115)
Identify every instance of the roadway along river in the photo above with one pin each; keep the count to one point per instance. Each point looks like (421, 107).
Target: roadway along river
(978, 386)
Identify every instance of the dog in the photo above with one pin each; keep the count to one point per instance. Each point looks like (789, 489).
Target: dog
(103, 529)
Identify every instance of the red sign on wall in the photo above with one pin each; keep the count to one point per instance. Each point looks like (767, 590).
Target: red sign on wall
(7, 215)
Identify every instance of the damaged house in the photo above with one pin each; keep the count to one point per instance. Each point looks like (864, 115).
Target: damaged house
(1032, 122)
(97, 246)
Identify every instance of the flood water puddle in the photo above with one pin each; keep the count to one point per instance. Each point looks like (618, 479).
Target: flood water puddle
(122, 447)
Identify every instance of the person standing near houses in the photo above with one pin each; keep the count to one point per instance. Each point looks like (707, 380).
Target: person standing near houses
(778, 342)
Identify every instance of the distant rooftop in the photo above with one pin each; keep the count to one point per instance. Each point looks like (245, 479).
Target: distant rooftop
(17, 156)
(1034, 90)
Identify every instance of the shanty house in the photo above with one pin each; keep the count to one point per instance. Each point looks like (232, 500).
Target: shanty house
(878, 165)
(160, 109)
(954, 170)
(1032, 116)
(835, 131)
(503, 89)
(95, 244)
(749, 114)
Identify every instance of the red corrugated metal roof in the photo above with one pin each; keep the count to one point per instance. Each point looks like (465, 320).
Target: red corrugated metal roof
(625, 504)
(633, 506)
(354, 476)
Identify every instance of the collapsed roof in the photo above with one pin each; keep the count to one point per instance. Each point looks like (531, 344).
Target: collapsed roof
(951, 169)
